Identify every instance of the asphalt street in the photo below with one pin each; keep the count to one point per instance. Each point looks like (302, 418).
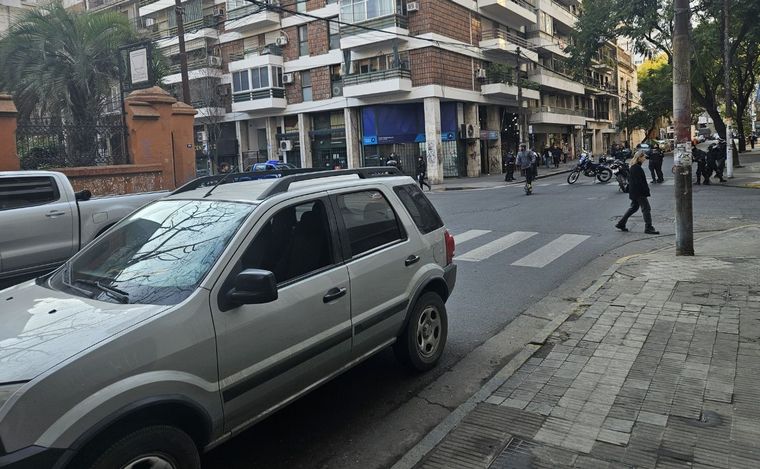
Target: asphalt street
(517, 249)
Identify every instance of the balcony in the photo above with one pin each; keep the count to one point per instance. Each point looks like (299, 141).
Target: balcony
(547, 42)
(557, 115)
(259, 100)
(558, 11)
(250, 58)
(555, 81)
(356, 36)
(501, 84)
(197, 64)
(603, 63)
(379, 82)
(502, 41)
(516, 13)
(201, 27)
(250, 17)
(600, 88)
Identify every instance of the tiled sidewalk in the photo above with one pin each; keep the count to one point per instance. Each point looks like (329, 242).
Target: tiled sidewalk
(660, 368)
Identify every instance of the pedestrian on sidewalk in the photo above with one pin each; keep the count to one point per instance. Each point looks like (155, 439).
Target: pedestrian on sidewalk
(556, 155)
(536, 161)
(422, 173)
(565, 151)
(752, 140)
(510, 167)
(547, 156)
(638, 191)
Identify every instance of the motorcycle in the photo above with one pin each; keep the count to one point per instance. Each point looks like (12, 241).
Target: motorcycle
(587, 166)
(620, 171)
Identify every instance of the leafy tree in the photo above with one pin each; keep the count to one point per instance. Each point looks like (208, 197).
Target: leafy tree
(655, 77)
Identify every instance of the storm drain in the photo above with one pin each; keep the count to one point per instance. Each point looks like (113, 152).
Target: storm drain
(518, 454)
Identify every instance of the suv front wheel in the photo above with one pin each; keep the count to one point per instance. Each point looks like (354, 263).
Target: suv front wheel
(153, 447)
(421, 344)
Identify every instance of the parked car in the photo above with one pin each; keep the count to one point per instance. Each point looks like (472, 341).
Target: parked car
(271, 165)
(43, 221)
(208, 310)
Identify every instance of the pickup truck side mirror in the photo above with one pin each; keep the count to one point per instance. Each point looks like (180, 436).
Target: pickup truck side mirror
(253, 286)
(81, 196)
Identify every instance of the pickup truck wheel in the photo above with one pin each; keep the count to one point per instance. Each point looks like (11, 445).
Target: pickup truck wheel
(421, 344)
(153, 447)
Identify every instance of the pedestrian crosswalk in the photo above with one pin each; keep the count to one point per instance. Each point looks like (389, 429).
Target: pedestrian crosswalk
(533, 257)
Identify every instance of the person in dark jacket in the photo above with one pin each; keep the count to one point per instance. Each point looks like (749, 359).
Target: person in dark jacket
(510, 167)
(556, 155)
(422, 173)
(638, 191)
(700, 157)
(655, 164)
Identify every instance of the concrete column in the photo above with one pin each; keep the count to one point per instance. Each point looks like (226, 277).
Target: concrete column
(304, 127)
(494, 146)
(353, 137)
(473, 145)
(434, 149)
(272, 143)
(8, 158)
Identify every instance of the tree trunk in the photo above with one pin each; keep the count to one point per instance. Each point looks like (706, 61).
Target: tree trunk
(740, 125)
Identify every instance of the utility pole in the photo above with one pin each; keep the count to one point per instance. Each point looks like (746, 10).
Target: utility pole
(179, 11)
(519, 97)
(627, 114)
(727, 86)
(682, 129)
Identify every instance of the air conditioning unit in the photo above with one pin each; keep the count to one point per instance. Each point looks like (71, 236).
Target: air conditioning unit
(287, 78)
(281, 40)
(337, 88)
(286, 145)
(214, 61)
(413, 6)
(218, 11)
(481, 74)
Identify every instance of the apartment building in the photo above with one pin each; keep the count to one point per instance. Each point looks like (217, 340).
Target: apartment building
(345, 83)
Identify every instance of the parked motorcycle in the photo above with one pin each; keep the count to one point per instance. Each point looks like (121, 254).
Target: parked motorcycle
(620, 170)
(587, 166)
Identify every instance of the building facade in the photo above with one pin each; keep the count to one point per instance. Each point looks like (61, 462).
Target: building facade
(346, 83)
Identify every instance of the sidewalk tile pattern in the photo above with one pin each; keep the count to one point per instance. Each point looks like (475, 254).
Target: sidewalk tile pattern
(662, 369)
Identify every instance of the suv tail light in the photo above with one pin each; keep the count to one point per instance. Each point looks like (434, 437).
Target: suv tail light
(449, 247)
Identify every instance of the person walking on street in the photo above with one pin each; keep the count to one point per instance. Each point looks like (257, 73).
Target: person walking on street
(655, 164)
(565, 152)
(752, 140)
(638, 192)
(536, 161)
(510, 167)
(422, 173)
(547, 155)
(526, 160)
(556, 155)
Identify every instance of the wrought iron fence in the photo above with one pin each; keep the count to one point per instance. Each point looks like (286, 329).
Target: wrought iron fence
(43, 144)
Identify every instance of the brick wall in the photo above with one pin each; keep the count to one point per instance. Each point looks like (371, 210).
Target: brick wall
(318, 38)
(443, 17)
(293, 92)
(432, 66)
(321, 87)
(290, 50)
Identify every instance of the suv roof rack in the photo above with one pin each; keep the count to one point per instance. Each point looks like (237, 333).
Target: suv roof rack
(286, 177)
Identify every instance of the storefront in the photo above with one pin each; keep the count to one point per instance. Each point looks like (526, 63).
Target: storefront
(328, 140)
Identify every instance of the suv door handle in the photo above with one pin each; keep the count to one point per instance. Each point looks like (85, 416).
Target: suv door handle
(411, 260)
(55, 213)
(334, 294)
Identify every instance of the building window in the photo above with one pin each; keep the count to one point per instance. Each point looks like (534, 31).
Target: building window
(240, 81)
(306, 86)
(301, 6)
(303, 40)
(383, 62)
(354, 11)
(259, 77)
(334, 31)
(277, 77)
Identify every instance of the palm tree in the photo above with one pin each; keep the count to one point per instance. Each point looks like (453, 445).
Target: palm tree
(61, 64)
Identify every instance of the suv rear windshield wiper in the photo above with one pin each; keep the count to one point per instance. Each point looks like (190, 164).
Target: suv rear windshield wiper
(119, 295)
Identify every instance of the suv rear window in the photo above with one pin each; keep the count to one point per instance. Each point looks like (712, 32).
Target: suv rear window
(419, 208)
(370, 221)
(17, 192)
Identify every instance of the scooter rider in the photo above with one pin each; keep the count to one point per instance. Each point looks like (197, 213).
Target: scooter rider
(526, 160)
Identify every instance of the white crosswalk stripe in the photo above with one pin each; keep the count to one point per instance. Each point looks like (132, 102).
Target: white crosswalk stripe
(495, 247)
(468, 235)
(550, 252)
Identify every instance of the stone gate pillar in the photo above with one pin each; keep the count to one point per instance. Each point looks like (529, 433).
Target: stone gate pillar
(8, 158)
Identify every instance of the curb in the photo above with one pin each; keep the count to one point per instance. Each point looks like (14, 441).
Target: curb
(439, 432)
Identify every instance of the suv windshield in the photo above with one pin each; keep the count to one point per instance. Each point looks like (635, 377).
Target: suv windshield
(158, 255)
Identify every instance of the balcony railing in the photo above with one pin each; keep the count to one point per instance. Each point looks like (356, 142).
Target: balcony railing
(590, 82)
(190, 26)
(604, 60)
(380, 75)
(507, 77)
(564, 7)
(561, 110)
(266, 93)
(194, 64)
(384, 22)
(507, 35)
(271, 49)
(248, 10)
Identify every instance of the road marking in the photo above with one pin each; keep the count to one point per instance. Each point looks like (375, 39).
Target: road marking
(563, 184)
(552, 251)
(545, 184)
(496, 246)
(468, 235)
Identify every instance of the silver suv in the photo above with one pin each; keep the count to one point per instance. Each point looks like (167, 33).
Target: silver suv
(204, 312)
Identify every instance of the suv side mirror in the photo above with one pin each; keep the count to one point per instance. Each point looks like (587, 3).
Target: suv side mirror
(253, 286)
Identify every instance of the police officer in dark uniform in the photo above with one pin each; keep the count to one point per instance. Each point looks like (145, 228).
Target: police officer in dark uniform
(655, 164)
